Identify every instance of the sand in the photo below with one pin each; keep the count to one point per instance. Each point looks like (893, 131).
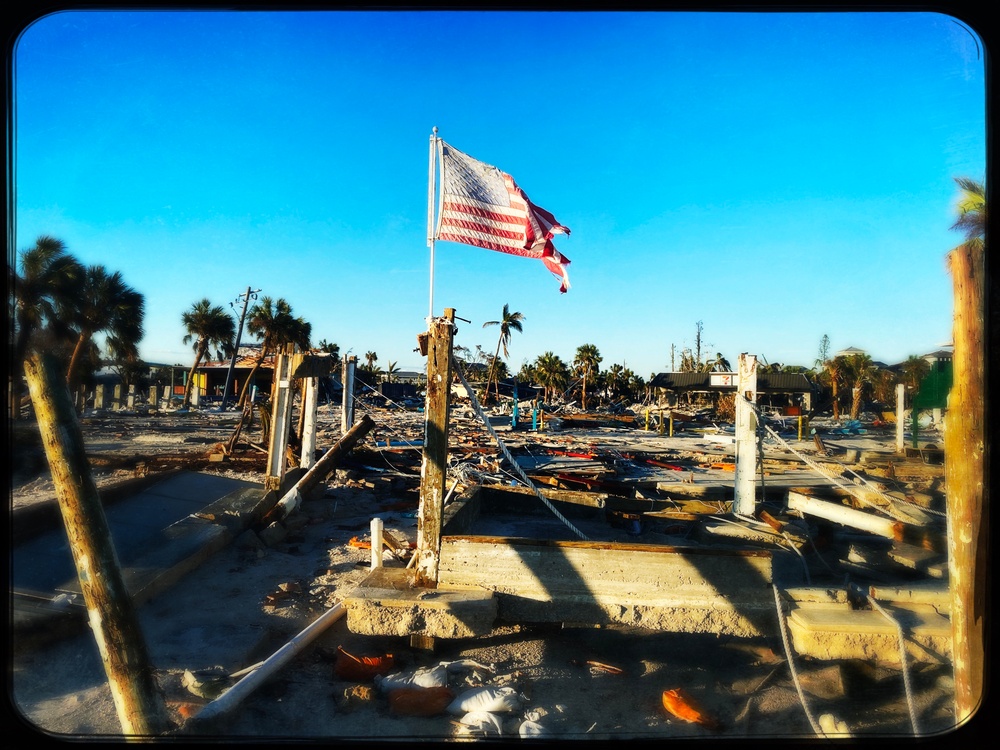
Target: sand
(565, 681)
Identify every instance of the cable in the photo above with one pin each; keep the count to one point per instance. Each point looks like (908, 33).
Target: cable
(503, 448)
(903, 661)
(791, 664)
(850, 489)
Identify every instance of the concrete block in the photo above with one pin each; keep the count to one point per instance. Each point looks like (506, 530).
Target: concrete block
(387, 603)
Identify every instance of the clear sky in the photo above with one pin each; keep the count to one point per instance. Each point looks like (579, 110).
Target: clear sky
(776, 176)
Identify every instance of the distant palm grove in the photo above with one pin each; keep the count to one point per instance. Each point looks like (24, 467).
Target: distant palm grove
(89, 318)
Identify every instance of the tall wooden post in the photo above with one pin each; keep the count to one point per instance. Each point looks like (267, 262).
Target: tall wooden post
(112, 616)
(347, 410)
(309, 406)
(435, 458)
(966, 460)
(745, 489)
(281, 416)
(900, 419)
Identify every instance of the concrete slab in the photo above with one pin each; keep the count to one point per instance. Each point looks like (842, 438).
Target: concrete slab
(156, 539)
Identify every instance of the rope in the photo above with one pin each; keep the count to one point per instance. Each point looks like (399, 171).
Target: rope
(503, 449)
(902, 659)
(791, 664)
(849, 488)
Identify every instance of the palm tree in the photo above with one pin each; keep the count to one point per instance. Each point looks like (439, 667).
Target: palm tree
(209, 327)
(860, 371)
(391, 369)
(272, 322)
(914, 370)
(835, 369)
(333, 350)
(616, 381)
(971, 212)
(107, 305)
(719, 364)
(551, 373)
(586, 363)
(370, 359)
(44, 286)
(509, 322)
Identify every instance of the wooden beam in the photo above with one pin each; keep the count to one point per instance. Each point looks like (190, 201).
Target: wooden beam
(966, 460)
(281, 413)
(434, 464)
(320, 470)
(112, 616)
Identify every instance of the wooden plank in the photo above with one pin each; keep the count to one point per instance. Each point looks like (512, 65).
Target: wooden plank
(576, 497)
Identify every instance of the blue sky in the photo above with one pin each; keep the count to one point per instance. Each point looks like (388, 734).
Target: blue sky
(776, 176)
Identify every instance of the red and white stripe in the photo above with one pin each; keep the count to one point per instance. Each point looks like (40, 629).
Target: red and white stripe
(484, 207)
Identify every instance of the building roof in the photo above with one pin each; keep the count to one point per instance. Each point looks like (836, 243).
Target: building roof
(778, 382)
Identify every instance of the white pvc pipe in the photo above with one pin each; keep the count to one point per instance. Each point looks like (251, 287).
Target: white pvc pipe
(376, 543)
(229, 699)
(858, 519)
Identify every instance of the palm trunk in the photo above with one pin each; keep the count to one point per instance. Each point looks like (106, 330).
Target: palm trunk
(246, 384)
(199, 355)
(856, 402)
(493, 369)
(74, 360)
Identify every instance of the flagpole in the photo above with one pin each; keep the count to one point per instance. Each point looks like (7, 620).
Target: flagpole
(430, 215)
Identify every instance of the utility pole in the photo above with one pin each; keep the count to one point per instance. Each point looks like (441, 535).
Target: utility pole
(246, 297)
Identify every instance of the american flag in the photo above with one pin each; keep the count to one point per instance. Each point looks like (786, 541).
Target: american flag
(484, 207)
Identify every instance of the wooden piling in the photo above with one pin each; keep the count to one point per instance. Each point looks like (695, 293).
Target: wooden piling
(281, 414)
(965, 478)
(435, 457)
(140, 705)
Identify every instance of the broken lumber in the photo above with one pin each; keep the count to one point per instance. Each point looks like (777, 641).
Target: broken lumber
(111, 612)
(320, 470)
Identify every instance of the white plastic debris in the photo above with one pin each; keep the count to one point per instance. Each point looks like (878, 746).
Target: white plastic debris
(436, 676)
(490, 699)
(483, 723)
(530, 729)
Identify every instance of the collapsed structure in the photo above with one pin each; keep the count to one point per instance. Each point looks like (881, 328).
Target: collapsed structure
(735, 556)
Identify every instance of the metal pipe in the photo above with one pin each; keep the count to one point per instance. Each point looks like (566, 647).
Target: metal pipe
(229, 699)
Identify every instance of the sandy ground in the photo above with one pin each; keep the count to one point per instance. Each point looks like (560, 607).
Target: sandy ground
(568, 681)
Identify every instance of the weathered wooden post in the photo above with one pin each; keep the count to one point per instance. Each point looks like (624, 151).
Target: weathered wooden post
(281, 414)
(112, 616)
(746, 436)
(965, 465)
(900, 419)
(347, 410)
(309, 406)
(99, 398)
(435, 457)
